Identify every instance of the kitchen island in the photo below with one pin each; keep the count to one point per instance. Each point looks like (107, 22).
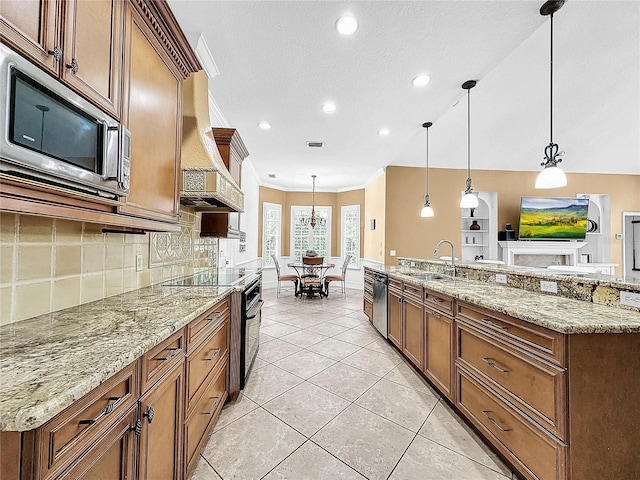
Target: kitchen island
(550, 382)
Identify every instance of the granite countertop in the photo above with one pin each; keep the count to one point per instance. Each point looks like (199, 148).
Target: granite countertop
(50, 361)
(556, 313)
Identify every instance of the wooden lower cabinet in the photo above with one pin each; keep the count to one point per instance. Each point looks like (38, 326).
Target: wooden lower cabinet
(439, 350)
(413, 331)
(161, 415)
(394, 318)
(111, 457)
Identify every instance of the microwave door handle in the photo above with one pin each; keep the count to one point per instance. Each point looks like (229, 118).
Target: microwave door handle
(110, 135)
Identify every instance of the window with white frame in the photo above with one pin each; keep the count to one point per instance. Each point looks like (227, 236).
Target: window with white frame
(271, 228)
(350, 233)
(303, 237)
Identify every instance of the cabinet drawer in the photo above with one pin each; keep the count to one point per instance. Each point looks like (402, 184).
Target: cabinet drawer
(439, 301)
(395, 284)
(537, 388)
(162, 358)
(368, 308)
(201, 361)
(198, 329)
(412, 291)
(541, 341)
(72, 431)
(536, 454)
(203, 414)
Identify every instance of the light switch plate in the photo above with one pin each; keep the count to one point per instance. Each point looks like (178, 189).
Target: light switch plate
(629, 298)
(501, 278)
(550, 287)
(139, 263)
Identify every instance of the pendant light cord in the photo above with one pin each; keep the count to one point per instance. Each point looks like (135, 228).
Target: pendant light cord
(468, 138)
(551, 85)
(427, 160)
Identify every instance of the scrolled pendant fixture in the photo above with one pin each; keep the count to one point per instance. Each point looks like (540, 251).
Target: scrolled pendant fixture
(427, 211)
(469, 199)
(551, 176)
(313, 220)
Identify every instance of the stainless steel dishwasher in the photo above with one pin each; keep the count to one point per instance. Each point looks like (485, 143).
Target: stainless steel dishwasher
(380, 282)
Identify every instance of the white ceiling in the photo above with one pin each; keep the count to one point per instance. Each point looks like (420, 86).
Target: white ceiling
(279, 61)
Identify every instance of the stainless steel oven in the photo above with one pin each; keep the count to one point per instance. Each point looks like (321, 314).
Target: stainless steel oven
(51, 134)
(250, 327)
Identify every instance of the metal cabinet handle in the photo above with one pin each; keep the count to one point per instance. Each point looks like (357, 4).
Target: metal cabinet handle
(215, 316)
(213, 407)
(437, 300)
(216, 352)
(435, 314)
(56, 52)
(172, 353)
(494, 325)
(105, 411)
(493, 421)
(149, 414)
(136, 428)
(73, 66)
(491, 363)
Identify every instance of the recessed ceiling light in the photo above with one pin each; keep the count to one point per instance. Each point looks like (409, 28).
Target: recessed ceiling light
(421, 80)
(329, 107)
(347, 25)
(271, 175)
(265, 125)
(383, 132)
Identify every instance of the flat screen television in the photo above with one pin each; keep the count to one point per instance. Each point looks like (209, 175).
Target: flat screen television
(553, 218)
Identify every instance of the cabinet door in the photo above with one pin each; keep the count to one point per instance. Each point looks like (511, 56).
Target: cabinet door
(162, 416)
(111, 457)
(32, 27)
(413, 332)
(92, 51)
(395, 319)
(153, 113)
(439, 350)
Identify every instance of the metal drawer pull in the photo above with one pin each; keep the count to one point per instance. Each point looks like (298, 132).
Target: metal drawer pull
(437, 300)
(213, 407)
(215, 316)
(216, 352)
(105, 411)
(491, 363)
(493, 421)
(172, 353)
(494, 325)
(73, 66)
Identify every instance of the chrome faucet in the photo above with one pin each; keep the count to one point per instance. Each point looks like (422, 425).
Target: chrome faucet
(452, 268)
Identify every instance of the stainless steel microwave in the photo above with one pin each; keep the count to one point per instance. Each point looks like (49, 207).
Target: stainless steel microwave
(53, 135)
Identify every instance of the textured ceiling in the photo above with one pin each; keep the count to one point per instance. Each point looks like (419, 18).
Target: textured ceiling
(280, 61)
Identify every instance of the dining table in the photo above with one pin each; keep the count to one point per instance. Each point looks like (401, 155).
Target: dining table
(311, 278)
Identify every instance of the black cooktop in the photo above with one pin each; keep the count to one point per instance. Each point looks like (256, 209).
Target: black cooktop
(212, 278)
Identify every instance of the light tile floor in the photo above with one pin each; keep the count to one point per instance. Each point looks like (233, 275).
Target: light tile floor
(329, 398)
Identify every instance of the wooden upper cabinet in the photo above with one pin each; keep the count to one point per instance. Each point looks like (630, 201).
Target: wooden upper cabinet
(153, 113)
(32, 27)
(92, 50)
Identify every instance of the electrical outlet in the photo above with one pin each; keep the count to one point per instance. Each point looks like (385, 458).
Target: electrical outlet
(551, 287)
(629, 298)
(501, 278)
(413, 264)
(392, 253)
(619, 236)
(139, 263)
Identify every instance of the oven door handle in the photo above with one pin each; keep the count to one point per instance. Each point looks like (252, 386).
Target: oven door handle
(257, 309)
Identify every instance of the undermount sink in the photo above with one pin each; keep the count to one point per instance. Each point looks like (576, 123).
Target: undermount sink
(428, 276)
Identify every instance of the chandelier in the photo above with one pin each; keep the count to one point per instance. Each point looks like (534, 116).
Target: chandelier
(313, 220)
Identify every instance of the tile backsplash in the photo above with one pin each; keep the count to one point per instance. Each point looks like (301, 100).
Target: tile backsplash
(50, 264)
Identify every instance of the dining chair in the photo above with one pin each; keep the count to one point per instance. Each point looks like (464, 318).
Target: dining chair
(284, 278)
(338, 278)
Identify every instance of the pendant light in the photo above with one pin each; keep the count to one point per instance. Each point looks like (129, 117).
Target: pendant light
(551, 176)
(427, 211)
(313, 220)
(469, 200)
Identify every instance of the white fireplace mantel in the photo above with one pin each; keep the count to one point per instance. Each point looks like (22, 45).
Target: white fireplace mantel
(569, 249)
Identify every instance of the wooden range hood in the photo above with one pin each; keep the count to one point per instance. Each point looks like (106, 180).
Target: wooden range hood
(233, 152)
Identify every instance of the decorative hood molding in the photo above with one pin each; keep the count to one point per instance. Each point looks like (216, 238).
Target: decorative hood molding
(206, 184)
